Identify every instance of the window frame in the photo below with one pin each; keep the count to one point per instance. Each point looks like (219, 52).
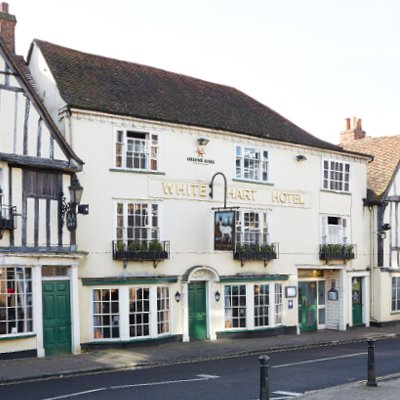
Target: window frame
(329, 176)
(275, 306)
(395, 294)
(246, 233)
(18, 299)
(149, 154)
(148, 231)
(99, 326)
(158, 314)
(255, 173)
(342, 234)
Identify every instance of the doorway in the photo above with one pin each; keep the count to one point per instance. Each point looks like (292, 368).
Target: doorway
(356, 299)
(197, 311)
(308, 306)
(56, 317)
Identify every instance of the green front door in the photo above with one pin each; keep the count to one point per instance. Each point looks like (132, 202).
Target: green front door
(356, 295)
(197, 311)
(56, 317)
(308, 306)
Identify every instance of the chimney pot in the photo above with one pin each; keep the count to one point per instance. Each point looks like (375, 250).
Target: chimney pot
(353, 131)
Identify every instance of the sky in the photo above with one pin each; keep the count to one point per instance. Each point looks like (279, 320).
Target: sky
(316, 62)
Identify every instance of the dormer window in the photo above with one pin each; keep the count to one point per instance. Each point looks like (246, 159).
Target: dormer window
(136, 150)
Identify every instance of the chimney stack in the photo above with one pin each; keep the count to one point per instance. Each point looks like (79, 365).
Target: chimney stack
(7, 27)
(353, 131)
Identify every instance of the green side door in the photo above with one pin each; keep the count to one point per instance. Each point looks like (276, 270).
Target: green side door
(56, 317)
(307, 306)
(356, 296)
(197, 311)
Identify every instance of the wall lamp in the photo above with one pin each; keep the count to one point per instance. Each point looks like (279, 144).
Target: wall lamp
(383, 230)
(178, 297)
(301, 157)
(217, 296)
(203, 141)
(69, 209)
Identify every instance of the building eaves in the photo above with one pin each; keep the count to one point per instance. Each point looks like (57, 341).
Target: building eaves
(100, 84)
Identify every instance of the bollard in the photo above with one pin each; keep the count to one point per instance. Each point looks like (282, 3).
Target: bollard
(371, 363)
(264, 379)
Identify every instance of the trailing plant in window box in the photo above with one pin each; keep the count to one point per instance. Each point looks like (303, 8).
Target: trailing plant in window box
(330, 251)
(255, 251)
(141, 251)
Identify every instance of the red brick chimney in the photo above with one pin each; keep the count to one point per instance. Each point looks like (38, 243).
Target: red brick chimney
(7, 27)
(353, 131)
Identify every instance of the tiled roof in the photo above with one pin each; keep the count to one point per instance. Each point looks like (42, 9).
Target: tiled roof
(97, 83)
(23, 75)
(386, 152)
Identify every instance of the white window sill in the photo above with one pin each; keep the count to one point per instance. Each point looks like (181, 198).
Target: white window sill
(136, 171)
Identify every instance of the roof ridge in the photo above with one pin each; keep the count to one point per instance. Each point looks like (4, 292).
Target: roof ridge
(141, 91)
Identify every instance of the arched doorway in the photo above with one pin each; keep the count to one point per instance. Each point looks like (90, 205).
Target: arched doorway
(199, 280)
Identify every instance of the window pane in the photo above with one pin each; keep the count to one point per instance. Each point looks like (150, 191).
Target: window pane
(139, 311)
(251, 164)
(15, 300)
(336, 175)
(261, 305)
(105, 313)
(163, 313)
(235, 306)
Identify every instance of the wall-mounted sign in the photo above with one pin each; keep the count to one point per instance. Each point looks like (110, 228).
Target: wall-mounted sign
(200, 155)
(224, 230)
(287, 198)
(201, 190)
(291, 291)
(185, 189)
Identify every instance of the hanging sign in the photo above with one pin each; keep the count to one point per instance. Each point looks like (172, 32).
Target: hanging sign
(224, 230)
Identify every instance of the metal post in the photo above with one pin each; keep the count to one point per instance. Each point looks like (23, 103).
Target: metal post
(211, 185)
(264, 379)
(371, 363)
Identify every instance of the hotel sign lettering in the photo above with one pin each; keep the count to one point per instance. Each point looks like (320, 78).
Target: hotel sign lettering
(287, 198)
(202, 190)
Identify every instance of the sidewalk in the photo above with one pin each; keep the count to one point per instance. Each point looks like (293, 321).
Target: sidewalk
(175, 353)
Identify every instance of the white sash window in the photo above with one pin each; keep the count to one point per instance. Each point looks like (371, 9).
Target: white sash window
(252, 164)
(252, 227)
(336, 175)
(334, 230)
(136, 150)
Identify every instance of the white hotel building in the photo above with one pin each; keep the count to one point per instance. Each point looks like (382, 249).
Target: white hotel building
(280, 247)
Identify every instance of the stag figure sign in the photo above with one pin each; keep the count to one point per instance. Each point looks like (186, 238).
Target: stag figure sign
(224, 230)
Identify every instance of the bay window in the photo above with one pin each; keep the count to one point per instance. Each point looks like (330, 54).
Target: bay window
(136, 150)
(15, 300)
(253, 306)
(131, 312)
